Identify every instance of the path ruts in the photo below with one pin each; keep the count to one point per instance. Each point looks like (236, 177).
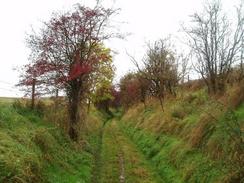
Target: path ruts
(121, 162)
(97, 158)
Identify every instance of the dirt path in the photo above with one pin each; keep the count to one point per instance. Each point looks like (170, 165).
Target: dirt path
(97, 158)
(122, 167)
(121, 162)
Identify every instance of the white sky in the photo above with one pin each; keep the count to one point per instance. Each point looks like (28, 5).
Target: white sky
(146, 20)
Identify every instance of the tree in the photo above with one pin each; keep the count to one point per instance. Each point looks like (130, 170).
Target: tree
(133, 88)
(129, 90)
(215, 43)
(161, 68)
(241, 75)
(103, 76)
(143, 87)
(103, 96)
(69, 48)
(116, 98)
(31, 81)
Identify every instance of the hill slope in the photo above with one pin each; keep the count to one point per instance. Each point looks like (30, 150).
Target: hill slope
(195, 139)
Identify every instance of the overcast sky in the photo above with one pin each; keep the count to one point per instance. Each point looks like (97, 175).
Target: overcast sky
(146, 20)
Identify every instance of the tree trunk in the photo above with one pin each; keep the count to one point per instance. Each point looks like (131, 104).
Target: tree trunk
(241, 68)
(56, 93)
(74, 119)
(56, 100)
(88, 106)
(33, 94)
(143, 97)
(74, 111)
(161, 102)
(144, 103)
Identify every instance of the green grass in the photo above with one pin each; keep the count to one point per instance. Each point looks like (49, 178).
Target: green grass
(117, 146)
(173, 159)
(240, 112)
(32, 150)
(196, 139)
(109, 166)
(191, 141)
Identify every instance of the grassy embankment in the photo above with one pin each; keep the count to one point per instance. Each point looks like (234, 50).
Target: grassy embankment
(195, 139)
(34, 150)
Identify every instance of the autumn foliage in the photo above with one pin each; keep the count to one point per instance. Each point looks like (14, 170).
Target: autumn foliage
(133, 89)
(68, 53)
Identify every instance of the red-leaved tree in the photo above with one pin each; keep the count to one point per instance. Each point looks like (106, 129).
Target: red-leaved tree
(133, 88)
(69, 49)
(31, 81)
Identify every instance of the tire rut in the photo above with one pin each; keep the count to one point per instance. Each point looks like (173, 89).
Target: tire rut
(97, 158)
(123, 162)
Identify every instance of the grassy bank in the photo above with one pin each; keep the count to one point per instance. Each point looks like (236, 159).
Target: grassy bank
(195, 139)
(32, 150)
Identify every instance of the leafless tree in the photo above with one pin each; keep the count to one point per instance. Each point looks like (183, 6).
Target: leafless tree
(216, 43)
(241, 75)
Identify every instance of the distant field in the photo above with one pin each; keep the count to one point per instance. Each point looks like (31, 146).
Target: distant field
(7, 99)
